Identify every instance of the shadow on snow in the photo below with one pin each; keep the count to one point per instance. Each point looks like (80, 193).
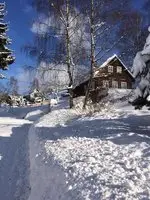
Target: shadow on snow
(14, 165)
(116, 130)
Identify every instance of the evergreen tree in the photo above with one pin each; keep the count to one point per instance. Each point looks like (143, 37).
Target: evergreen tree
(141, 71)
(6, 57)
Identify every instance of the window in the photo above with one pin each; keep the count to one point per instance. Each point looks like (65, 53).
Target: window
(110, 69)
(119, 69)
(114, 84)
(105, 83)
(124, 84)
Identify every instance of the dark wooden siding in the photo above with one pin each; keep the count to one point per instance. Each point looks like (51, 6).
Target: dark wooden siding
(124, 76)
(80, 89)
(103, 74)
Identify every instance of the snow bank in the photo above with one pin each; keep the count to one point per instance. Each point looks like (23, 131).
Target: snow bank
(101, 169)
(34, 115)
(56, 117)
(114, 105)
(21, 112)
(53, 102)
(7, 123)
(104, 156)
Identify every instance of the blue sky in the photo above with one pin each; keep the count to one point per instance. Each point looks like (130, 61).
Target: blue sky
(20, 16)
(138, 3)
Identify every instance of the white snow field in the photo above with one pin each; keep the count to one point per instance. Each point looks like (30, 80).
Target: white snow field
(14, 153)
(105, 156)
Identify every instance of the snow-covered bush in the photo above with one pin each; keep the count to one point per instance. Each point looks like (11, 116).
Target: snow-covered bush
(141, 70)
(53, 102)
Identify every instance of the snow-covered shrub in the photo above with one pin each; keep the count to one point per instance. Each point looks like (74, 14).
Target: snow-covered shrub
(141, 70)
(53, 102)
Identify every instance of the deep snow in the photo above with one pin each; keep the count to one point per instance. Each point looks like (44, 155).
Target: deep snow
(103, 156)
(69, 155)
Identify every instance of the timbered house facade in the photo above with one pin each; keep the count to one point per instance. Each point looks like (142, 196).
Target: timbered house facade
(111, 74)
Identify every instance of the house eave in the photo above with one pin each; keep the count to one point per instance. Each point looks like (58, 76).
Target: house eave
(110, 59)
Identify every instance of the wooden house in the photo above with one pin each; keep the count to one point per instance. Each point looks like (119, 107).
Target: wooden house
(111, 74)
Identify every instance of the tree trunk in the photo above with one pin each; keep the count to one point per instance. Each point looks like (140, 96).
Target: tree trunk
(69, 56)
(92, 54)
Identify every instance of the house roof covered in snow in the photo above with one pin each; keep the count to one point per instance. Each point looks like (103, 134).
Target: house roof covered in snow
(80, 81)
(105, 64)
(110, 59)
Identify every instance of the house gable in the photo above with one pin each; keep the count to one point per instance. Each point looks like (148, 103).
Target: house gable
(113, 62)
(113, 73)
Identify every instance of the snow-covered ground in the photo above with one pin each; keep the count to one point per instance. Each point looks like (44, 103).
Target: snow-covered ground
(14, 159)
(102, 156)
(14, 152)
(70, 155)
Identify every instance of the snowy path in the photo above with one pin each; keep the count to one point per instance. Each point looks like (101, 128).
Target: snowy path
(14, 159)
(47, 179)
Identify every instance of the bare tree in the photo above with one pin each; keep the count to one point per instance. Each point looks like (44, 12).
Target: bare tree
(52, 76)
(97, 28)
(101, 34)
(56, 42)
(92, 52)
(68, 51)
(34, 85)
(64, 14)
(12, 86)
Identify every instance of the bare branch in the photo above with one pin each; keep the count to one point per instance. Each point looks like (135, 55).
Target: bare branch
(62, 17)
(111, 47)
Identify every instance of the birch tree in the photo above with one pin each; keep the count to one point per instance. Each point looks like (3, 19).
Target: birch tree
(92, 29)
(104, 33)
(62, 24)
(12, 86)
(98, 27)
(65, 15)
(62, 38)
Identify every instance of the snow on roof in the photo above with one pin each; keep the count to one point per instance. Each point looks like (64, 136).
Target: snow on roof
(108, 61)
(81, 81)
(112, 58)
(86, 78)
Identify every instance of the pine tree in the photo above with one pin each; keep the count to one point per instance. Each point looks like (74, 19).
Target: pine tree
(6, 57)
(141, 71)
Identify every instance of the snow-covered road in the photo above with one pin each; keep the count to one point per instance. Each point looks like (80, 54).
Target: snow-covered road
(14, 150)
(14, 159)
(67, 156)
